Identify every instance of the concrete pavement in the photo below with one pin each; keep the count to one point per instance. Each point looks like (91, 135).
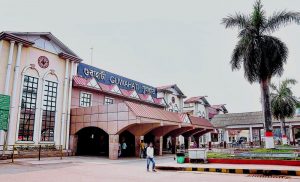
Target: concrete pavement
(78, 169)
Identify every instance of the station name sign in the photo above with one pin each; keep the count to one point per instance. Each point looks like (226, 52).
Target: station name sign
(105, 77)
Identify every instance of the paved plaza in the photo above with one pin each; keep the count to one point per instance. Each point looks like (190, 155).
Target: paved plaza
(101, 169)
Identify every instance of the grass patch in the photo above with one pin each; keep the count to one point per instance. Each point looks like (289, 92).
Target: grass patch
(215, 155)
(263, 150)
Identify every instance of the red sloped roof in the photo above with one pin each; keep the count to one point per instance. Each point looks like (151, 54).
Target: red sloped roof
(218, 106)
(165, 87)
(144, 97)
(145, 111)
(200, 121)
(105, 87)
(127, 92)
(80, 81)
(158, 100)
(193, 99)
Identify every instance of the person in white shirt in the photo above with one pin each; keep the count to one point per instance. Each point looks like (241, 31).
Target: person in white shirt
(150, 157)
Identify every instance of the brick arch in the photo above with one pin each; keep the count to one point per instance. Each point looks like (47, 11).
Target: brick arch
(163, 130)
(143, 128)
(80, 127)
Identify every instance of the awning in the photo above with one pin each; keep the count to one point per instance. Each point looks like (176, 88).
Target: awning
(145, 111)
(200, 121)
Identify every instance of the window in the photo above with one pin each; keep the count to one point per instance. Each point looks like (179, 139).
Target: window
(49, 111)
(28, 108)
(85, 99)
(108, 100)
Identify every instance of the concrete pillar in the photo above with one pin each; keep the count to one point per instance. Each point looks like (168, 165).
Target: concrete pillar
(138, 146)
(14, 100)
(291, 133)
(174, 145)
(226, 135)
(158, 146)
(113, 146)
(63, 114)
(208, 137)
(189, 142)
(73, 143)
(73, 70)
(251, 136)
(259, 133)
(8, 69)
(7, 83)
(209, 140)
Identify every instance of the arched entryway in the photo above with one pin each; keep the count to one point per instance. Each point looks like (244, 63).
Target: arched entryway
(149, 137)
(127, 143)
(92, 141)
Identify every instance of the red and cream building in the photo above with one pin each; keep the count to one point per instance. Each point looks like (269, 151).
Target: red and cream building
(109, 109)
(36, 72)
(57, 100)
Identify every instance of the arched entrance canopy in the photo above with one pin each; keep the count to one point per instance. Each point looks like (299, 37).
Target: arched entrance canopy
(138, 119)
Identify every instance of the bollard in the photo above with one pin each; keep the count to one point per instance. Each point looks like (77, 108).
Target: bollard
(40, 148)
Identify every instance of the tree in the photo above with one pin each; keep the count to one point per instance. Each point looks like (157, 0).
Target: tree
(283, 103)
(261, 55)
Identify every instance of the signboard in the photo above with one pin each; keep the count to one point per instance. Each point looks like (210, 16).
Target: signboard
(4, 111)
(87, 71)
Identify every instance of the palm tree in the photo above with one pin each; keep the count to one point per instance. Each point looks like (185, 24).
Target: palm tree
(283, 103)
(261, 55)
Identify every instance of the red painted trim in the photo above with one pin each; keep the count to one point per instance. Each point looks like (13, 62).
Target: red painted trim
(256, 161)
(269, 134)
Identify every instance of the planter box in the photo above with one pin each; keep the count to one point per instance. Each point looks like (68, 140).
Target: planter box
(256, 161)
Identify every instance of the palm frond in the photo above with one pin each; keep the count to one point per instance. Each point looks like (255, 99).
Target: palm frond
(237, 20)
(279, 19)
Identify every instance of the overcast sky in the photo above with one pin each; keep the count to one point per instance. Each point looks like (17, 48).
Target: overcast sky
(158, 42)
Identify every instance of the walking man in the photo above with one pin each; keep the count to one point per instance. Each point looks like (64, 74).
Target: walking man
(150, 157)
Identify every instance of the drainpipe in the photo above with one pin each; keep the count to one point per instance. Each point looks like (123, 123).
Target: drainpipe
(73, 71)
(63, 116)
(2, 132)
(14, 100)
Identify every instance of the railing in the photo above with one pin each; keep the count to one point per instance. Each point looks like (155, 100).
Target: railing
(14, 151)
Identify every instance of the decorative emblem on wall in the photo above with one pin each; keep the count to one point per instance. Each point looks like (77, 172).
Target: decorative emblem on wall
(43, 62)
(173, 100)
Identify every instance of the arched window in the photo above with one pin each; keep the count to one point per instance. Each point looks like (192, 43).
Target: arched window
(50, 89)
(49, 110)
(28, 108)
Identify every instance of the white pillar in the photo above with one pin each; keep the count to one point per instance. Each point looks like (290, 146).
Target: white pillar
(73, 72)
(250, 134)
(291, 132)
(226, 135)
(63, 116)
(12, 125)
(8, 70)
(208, 137)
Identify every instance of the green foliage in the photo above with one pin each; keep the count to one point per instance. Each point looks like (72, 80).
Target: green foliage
(261, 55)
(216, 155)
(263, 150)
(283, 102)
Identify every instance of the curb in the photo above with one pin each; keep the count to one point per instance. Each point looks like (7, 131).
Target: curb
(232, 171)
